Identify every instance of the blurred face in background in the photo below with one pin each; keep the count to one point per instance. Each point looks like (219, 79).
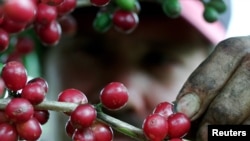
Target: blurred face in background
(153, 61)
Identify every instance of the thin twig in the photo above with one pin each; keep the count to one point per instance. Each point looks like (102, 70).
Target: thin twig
(122, 127)
(116, 124)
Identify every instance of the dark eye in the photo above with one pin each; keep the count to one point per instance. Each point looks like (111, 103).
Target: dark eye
(158, 55)
(153, 58)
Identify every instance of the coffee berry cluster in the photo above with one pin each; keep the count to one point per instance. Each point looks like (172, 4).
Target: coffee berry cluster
(123, 14)
(22, 116)
(47, 18)
(50, 18)
(22, 120)
(82, 124)
(164, 123)
(19, 119)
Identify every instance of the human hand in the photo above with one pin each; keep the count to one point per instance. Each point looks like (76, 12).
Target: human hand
(217, 92)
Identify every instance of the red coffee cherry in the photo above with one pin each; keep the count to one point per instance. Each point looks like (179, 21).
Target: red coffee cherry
(99, 3)
(3, 117)
(42, 116)
(41, 81)
(19, 110)
(125, 21)
(102, 132)
(45, 14)
(1, 14)
(66, 7)
(68, 24)
(49, 34)
(2, 88)
(14, 56)
(114, 96)
(4, 40)
(179, 125)
(8, 132)
(14, 75)
(22, 11)
(11, 26)
(165, 109)
(33, 92)
(155, 127)
(52, 2)
(69, 128)
(24, 45)
(83, 116)
(29, 130)
(85, 134)
(72, 95)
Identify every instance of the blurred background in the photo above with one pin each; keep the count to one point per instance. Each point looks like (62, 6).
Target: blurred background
(238, 26)
(240, 21)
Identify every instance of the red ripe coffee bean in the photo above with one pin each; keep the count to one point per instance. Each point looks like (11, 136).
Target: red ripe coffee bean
(99, 3)
(114, 96)
(155, 127)
(102, 132)
(3, 117)
(72, 95)
(83, 116)
(19, 110)
(22, 11)
(45, 14)
(42, 116)
(12, 27)
(24, 45)
(85, 134)
(66, 7)
(36, 2)
(52, 2)
(179, 125)
(68, 24)
(33, 92)
(1, 14)
(69, 128)
(8, 132)
(14, 75)
(125, 21)
(49, 34)
(4, 40)
(14, 56)
(29, 130)
(40, 81)
(164, 108)
(2, 87)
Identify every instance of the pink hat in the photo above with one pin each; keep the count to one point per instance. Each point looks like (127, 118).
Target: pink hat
(215, 32)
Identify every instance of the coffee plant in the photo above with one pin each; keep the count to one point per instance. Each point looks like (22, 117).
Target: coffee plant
(23, 103)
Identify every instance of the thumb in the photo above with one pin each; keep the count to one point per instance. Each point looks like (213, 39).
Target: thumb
(210, 76)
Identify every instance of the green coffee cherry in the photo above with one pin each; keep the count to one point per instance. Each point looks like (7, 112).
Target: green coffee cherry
(102, 22)
(171, 8)
(219, 5)
(1, 66)
(126, 4)
(210, 14)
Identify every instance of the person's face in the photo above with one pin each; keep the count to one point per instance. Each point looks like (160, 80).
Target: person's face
(88, 63)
